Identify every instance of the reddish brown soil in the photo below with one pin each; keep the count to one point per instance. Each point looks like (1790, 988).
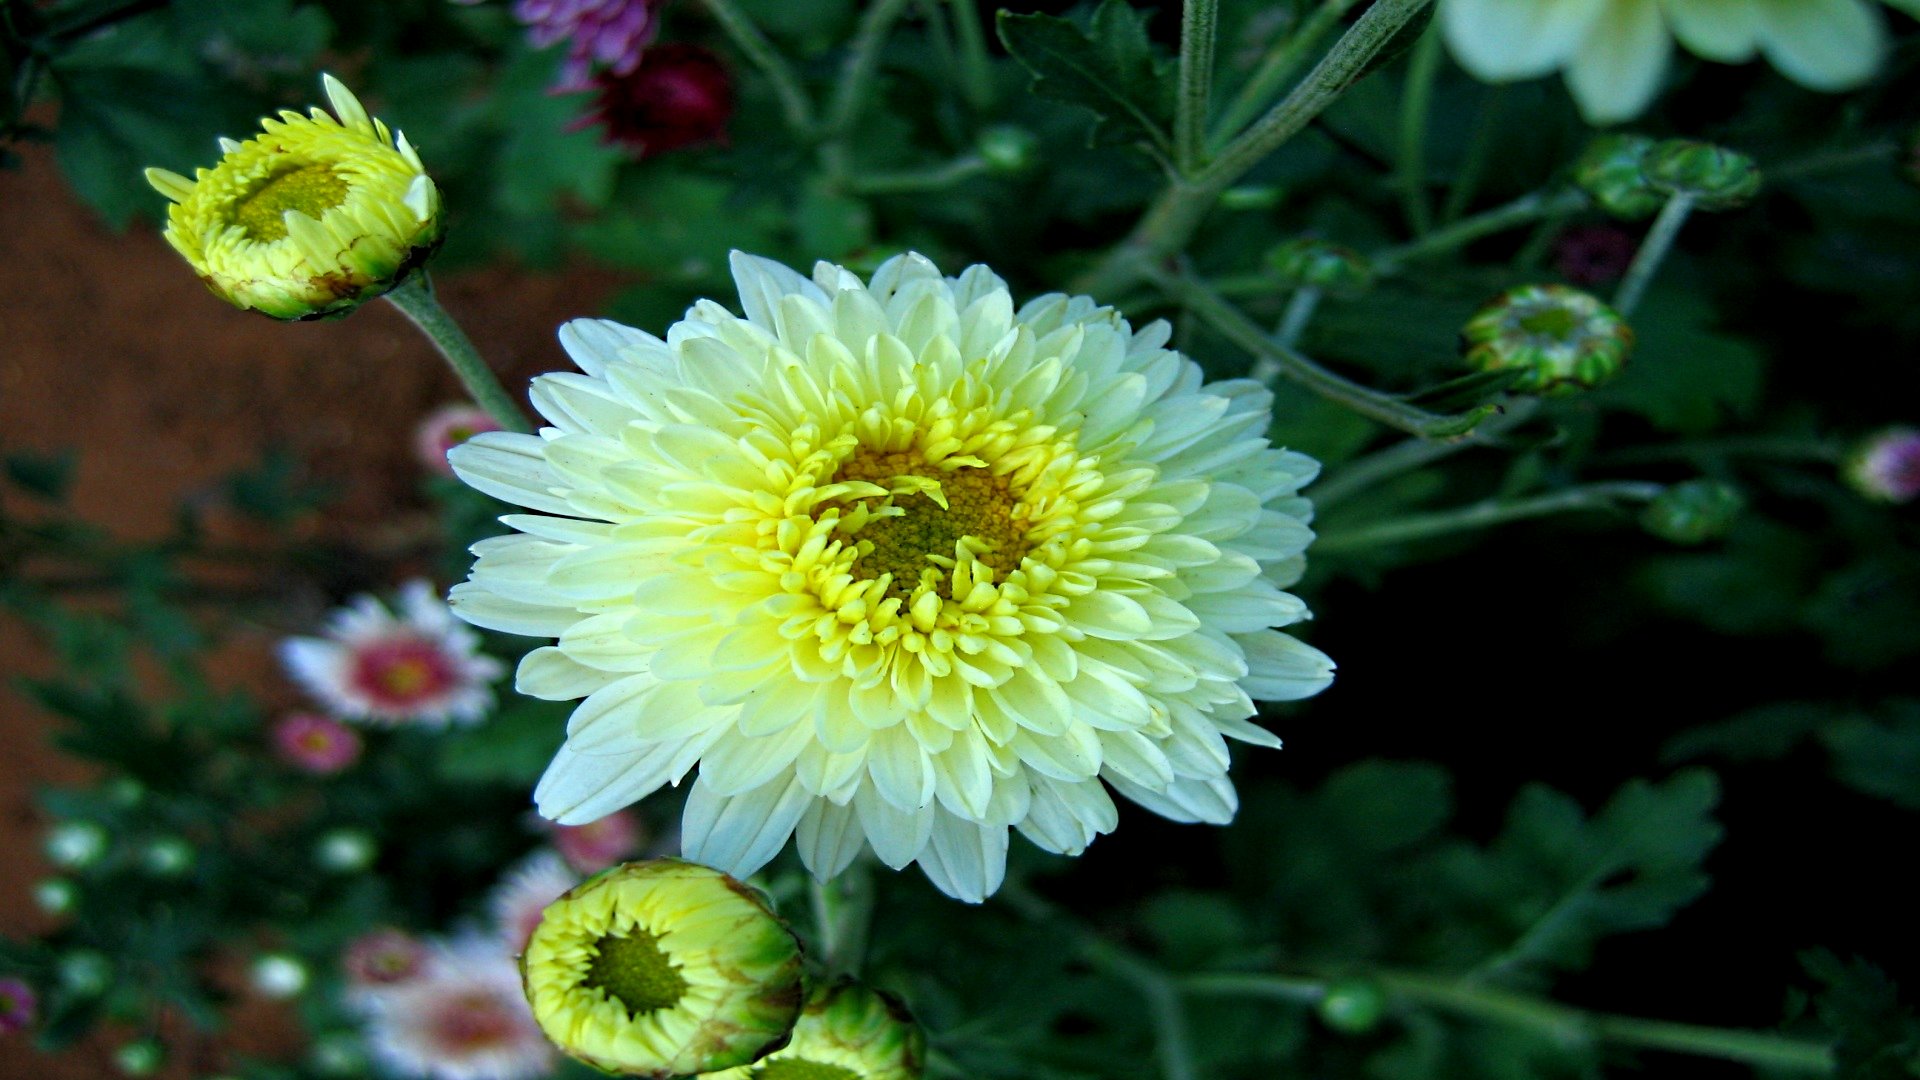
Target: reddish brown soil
(109, 345)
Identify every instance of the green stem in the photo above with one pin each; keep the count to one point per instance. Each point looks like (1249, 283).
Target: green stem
(1199, 28)
(414, 297)
(1466, 181)
(934, 178)
(976, 67)
(761, 54)
(1172, 219)
(1653, 251)
(1779, 448)
(1293, 323)
(863, 60)
(1171, 1037)
(1416, 103)
(1523, 210)
(1481, 515)
(1831, 160)
(843, 917)
(1282, 60)
(1362, 473)
(1235, 326)
(1297, 989)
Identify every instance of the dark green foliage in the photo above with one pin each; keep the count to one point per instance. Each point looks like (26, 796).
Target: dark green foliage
(1108, 65)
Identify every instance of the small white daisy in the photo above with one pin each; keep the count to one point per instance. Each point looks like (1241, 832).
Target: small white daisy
(526, 891)
(465, 1019)
(418, 667)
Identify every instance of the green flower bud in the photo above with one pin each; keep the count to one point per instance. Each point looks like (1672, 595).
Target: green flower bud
(85, 972)
(167, 856)
(1333, 269)
(846, 1032)
(55, 896)
(1716, 178)
(76, 844)
(141, 1057)
(1008, 149)
(1561, 338)
(1252, 197)
(1352, 1006)
(338, 1053)
(278, 976)
(1609, 170)
(1693, 512)
(345, 851)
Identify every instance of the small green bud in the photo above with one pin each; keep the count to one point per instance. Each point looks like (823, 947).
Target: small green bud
(1352, 1006)
(1717, 178)
(55, 896)
(1609, 171)
(85, 972)
(279, 976)
(338, 1053)
(1008, 149)
(1693, 512)
(167, 856)
(1252, 197)
(141, 1057)
(76, 844)
(1562, 338)
(345, 851)
(1333, 269)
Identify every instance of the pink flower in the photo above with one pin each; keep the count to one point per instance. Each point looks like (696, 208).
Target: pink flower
(517, 901)
(383, 959)
(316, 744)
(466, 1019)
(19, 1005)
(1887, 466)
(420, 666)
(593, 847)
(445, 428)
(680, 95)
(610, 32)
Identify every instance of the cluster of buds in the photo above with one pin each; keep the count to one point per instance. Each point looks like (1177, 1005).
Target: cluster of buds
(1557, 338)
(1309, 263)
(1632, 176)
(667, 968)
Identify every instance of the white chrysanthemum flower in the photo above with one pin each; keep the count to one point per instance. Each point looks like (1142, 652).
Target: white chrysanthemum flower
(516, 903)
(897, 565)
(465, 1018)
(417, 667)
(1613, 53)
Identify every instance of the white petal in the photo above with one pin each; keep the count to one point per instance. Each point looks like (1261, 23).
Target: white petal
(1283, 668)
(741, 833)
(1500, 40)
(1211, 800)
(896, 836)
(828, 838)
(510, 467)
(1616, 71)
(475, 603)
(1723, 30)
(1823, 44)
(966, 861)
(578, 788)
(762, 282)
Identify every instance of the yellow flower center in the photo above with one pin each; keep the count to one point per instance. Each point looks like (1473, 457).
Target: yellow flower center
(980, 508)
(802, 1069)
(633, 971)
(311, 189)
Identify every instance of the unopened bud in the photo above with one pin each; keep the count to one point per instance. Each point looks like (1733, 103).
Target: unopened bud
(141, 1057)
(1560, 338)
(279, 976)
(1252, 197)
(338, 1053)
(167, 856)
(1609, 171)
(55, 896)
(345, 851)
(76, 844)
(1310, 263)
(1715, 177)
(1008, 149)
(85, 972)
(1886, 467)
(1352, 1006)
(1693, 512)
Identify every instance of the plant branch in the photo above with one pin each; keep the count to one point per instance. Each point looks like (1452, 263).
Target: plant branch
(843, 917)
(1361, 473)
(1416, 103)
(761, 54)
(933, 178)
(414, 297)
(976, 69)
(863, 60)
(1653, 251)
(1528, 208)
(1490, 512)
(1279, 64)
(1199, 27)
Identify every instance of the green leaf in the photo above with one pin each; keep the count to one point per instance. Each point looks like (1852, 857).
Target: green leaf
(117, 120)
(541, 158)
(1763, 734)
(1880, 756)
(1568, 880)
(1878, 1038)
(1685, 376)
(1108, 66)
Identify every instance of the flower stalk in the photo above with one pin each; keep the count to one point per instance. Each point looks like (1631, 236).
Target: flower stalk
(843, 918)
(1529, 208)
(415, 299)
(1199, 29)
(1281, 61)
(746, 37)
(1416, 103)
(1487, 513)
(1653, 251)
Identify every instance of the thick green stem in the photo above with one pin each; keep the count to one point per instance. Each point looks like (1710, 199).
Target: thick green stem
(1653, 251)
(1282, 60)
(843, 918)
(761, 54)
(1481, 515)
(1170, 222)
(1416, 102)
(414, 297)
(935, 178)
(1523, 210)
(1235, 326)
(1293, 323)
(976, 67)
(1199, 27)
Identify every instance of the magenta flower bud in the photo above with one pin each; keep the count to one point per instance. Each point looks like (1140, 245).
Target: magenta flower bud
(315, 744)
(680, 95)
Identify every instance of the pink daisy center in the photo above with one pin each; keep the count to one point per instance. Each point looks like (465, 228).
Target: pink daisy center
(473, 1023)
(402, 673)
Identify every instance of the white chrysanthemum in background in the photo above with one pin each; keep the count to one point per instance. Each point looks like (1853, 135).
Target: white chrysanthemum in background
(419, 666)
(1615, 52)
(464, 1018)
(528, 888)
(896, 565)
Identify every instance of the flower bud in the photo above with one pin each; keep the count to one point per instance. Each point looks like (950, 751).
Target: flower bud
(1559, 338)
(679, 95)
(1609, 171)
(278, 976)
(1717, 178)
(1352, 1006)
(1008, 149)
(846, 1030)
(338, 1053)
(1693, 512)
(168, 857)
(663, 968)
(1886, 467)
(75, 844)
(1252, 197)
(85, 972)
(345, 851)
(141, 1057)
(55, 896)
(1333, 269)
(310, 218)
